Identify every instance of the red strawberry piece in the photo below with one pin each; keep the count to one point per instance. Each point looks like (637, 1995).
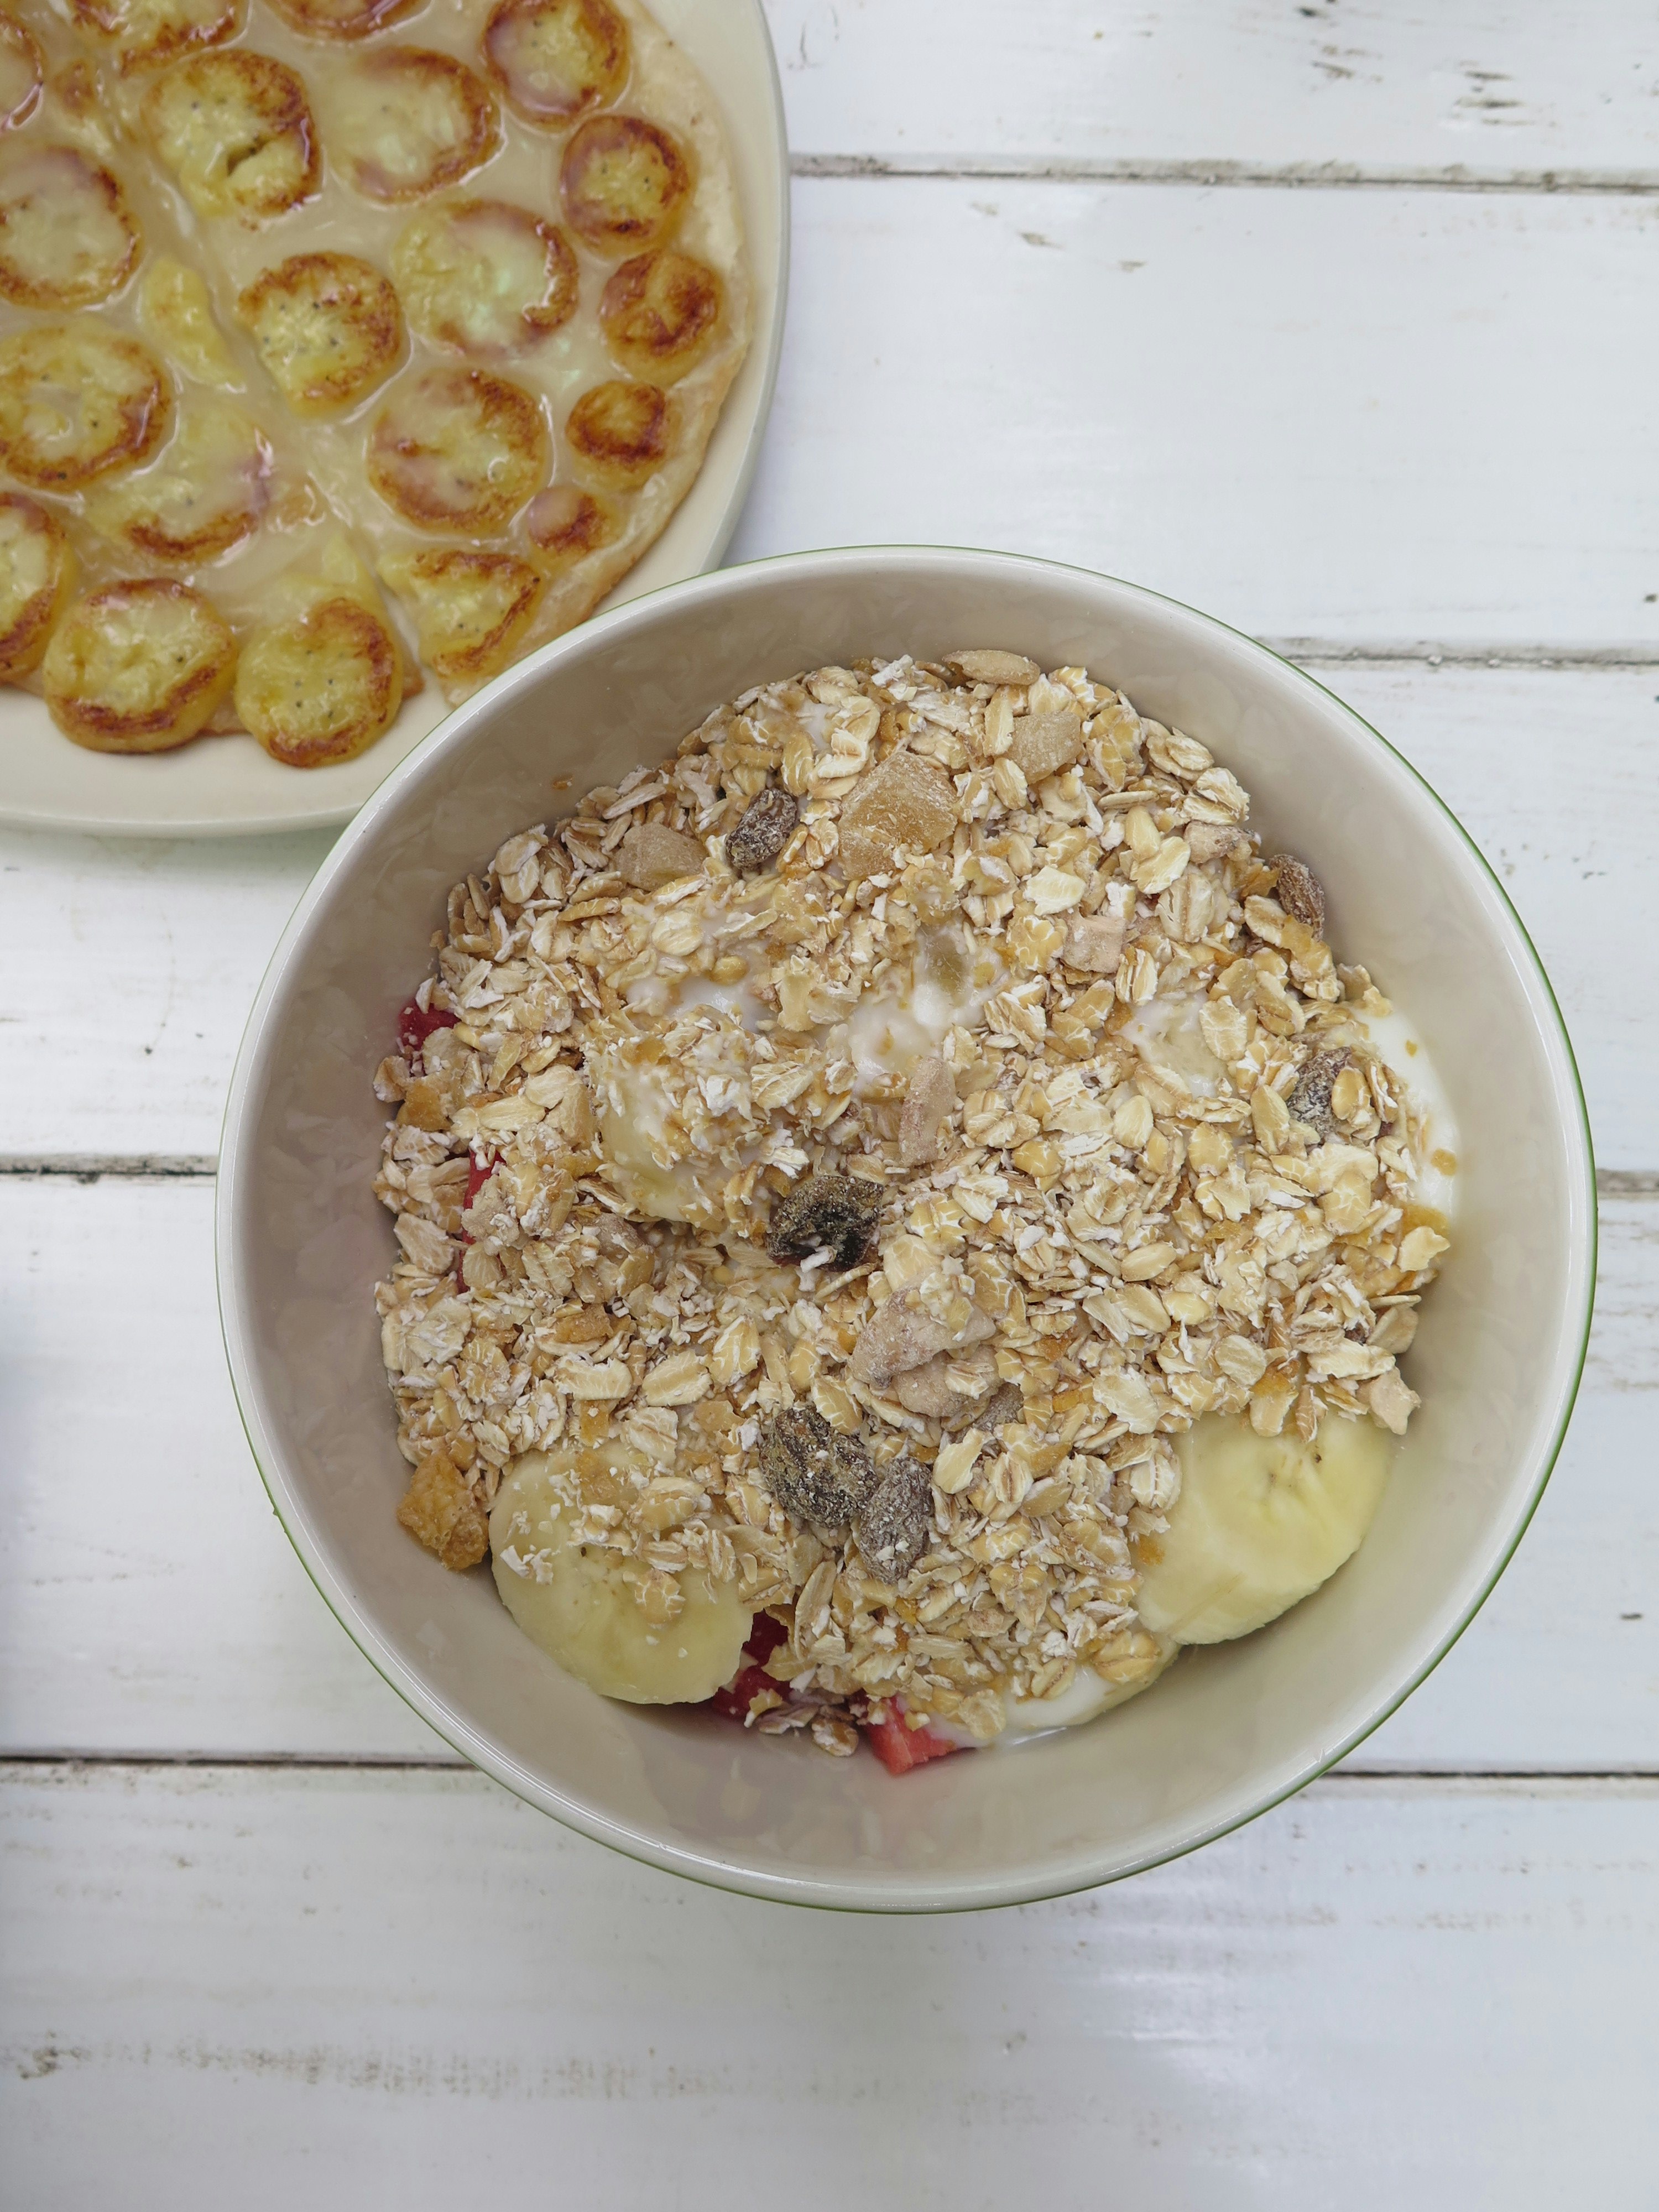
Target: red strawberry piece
(765, 1635)
(735, 1699)
(416, 1024)
(899, 1749)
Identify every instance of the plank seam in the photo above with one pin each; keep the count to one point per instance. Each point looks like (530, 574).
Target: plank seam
(1292, 176)
(441, 1763)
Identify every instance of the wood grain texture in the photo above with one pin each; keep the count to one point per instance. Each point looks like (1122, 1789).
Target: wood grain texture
(1353, 416)
(409, 1989)
(1486, 89)
(121, 1027)
(149, 1601)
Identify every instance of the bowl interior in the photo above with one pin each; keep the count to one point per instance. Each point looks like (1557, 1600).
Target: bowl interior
(1229, 1729)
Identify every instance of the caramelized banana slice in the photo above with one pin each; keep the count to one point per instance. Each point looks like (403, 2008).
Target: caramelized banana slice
(328, 327)
(206, 495)
(75, 404)
(658, 312)
(484, 276)
(237, 131)
(144, 34)
(37, 573)
(567, 523)
(343, 19)
(624, 183)
(458, 449)
(621, 432)
(557, 60)
(138, 667)
(322, 686)
(22, 72)
(408, 121)
(471, 609)
(67, 237)
(175, 309)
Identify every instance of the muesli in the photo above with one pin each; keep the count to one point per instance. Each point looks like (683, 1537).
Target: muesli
(903, 1220)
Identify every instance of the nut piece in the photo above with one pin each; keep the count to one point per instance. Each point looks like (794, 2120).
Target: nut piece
(1044, 744)
(1094, 943)
(1299, 892)
(901, 1336)
(768, 824)
(984, 664)
(814, 1474)
(902, 803)
(652, 854)
(929, 1095)
(1310, 1101)
(439, 1512)
(828, 1209)
(894, 1526)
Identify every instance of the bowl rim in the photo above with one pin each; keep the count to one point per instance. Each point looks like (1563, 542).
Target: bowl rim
(960, 1895)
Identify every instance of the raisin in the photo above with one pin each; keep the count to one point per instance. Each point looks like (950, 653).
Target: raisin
(1299, 891)
(1310, 1101)
(828, 1210)
(768, 824)
(895, 1525)
(816, 1475)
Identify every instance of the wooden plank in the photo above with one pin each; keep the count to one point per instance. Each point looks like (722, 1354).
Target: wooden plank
(397, 1988)
(1486, 88)
(1314, 413)
(149, 1602)
(122, 1024)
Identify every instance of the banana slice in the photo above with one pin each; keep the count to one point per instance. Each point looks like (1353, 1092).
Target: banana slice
(37, 573)
(458, 449)
(582, 1604)
(557, 60)
(409, 121)
(484, 276)
(142, 34)
(138, 667)
(658, 314)
(328, 327)
(237, 130)
(471, 609)
(75, 404)
(565, 524)
(177, 313)
(22, 72)
(1260, 1523)
(207, 494)
(324, 679)
(341, 19)
(1129, 1662)
(67, 237)
(624, 183)
(621, 432)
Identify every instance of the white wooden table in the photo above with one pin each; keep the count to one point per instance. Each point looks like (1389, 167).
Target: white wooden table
(1337, 318)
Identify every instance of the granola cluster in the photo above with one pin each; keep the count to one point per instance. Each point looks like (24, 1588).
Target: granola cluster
(894, 1117)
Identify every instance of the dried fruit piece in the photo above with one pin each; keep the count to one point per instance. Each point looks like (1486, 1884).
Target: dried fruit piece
(984, 664)
(439, 1511)
(895, 1525)
(902, 1335)
(1310, 1101)
(828, 1210)
(1006, 1403)
(814, 1474)
(652, 854)
(1044, 744)
(902, 803)
(768, 824)
(929, 1095)
(900, 1748)
(1299, 891)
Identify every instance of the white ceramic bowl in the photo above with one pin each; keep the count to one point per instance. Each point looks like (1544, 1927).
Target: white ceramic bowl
(1232, 1729)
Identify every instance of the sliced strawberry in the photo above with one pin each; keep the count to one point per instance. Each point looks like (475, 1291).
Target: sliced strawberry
(765, 1635)
(416, 1024)
(899, 1749)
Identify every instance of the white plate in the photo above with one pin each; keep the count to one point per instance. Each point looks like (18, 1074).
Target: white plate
(227, 785)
